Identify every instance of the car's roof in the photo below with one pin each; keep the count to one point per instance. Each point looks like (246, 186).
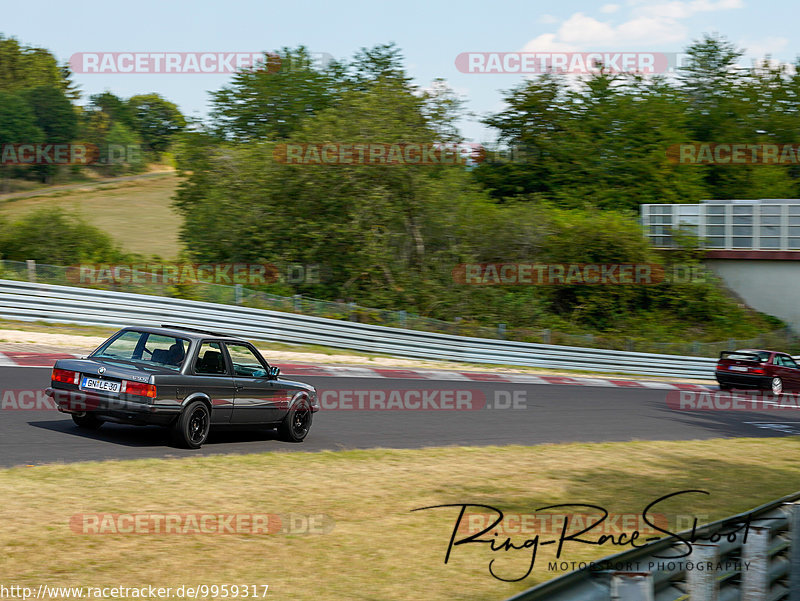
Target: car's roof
(178, 331)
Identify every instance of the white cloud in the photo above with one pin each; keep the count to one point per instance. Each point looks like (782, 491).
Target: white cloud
(586, 30)
(651, 23)
(646, 30)
(758, 49)
(547, 43)
(682, 10)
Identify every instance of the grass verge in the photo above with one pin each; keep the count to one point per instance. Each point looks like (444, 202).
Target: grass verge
(378, 549)
(137, 214)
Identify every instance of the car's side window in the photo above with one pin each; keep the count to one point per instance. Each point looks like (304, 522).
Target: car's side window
(789, 362)
(165, 350)
(210, 360)
(245, 362)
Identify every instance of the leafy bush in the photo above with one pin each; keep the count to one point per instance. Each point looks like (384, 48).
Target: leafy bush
(52, 236)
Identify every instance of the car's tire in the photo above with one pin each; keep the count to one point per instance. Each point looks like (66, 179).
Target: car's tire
(87, 421)
(725, 387)
(191, 428)
(297, 423)
(776, 385)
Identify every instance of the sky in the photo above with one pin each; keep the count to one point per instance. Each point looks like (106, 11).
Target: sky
(429, 33)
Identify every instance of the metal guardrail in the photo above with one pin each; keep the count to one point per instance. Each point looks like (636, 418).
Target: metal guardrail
(31, 271)
(764, 567)
(45, 302)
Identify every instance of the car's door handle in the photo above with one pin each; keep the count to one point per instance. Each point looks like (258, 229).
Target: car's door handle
(238, 388)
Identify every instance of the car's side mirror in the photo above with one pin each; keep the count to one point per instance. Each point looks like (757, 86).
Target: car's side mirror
(274, 372)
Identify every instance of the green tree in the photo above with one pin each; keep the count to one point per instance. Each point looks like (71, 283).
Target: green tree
(122, 151)
(112, 105)
(268, 105)
(602, 144)
(32, 237)
(56, 117)
(54, 113)
(17, 126)
(156, 121)
(24, 67)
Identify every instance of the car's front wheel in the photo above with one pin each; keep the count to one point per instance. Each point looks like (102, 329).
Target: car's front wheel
(191, 429)
(87, 421)
(297, 423)
(777, 386)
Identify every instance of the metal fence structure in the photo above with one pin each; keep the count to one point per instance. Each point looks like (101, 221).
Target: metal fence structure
(46, 302)
(241, 296)
(767, 224)
(764, 565)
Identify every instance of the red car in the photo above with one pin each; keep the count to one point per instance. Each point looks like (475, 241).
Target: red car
(760, 369)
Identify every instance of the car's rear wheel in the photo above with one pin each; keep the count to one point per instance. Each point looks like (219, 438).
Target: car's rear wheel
(191, 429)
(777, 386)
(297, 423)
(87, 421)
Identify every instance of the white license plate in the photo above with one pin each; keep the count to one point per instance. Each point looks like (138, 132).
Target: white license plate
(738, 368)
(104, 385)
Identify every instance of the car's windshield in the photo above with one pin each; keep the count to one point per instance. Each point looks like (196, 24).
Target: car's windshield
(145, 349)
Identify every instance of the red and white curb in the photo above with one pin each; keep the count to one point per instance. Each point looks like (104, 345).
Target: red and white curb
(19, 359)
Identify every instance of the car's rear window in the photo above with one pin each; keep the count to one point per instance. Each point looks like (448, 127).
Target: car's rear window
(760, 356)
(145, 349)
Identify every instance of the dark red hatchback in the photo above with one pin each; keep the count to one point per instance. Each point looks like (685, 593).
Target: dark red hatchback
(760, 369)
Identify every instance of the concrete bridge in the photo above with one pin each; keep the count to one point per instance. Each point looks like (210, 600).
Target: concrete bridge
(752, 245)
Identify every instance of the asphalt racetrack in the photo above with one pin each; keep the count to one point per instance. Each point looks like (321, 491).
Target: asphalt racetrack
(552, 414)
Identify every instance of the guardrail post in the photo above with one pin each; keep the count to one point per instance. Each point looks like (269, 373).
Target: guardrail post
(632, 586)
(794, 550)
(237, 294)
(546, 336)
(296, 303)
(31, 270)
(703, 584)
(501, 331)
(755, 579)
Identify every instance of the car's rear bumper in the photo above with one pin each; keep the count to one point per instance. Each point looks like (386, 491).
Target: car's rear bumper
(738, 380)
(113, 409)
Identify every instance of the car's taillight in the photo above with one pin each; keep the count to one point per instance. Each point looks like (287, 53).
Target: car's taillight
(756, 370)
(65, 376)
(139, 388)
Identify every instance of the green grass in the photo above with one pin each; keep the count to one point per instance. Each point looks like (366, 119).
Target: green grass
(378, 548)
(136, 214)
